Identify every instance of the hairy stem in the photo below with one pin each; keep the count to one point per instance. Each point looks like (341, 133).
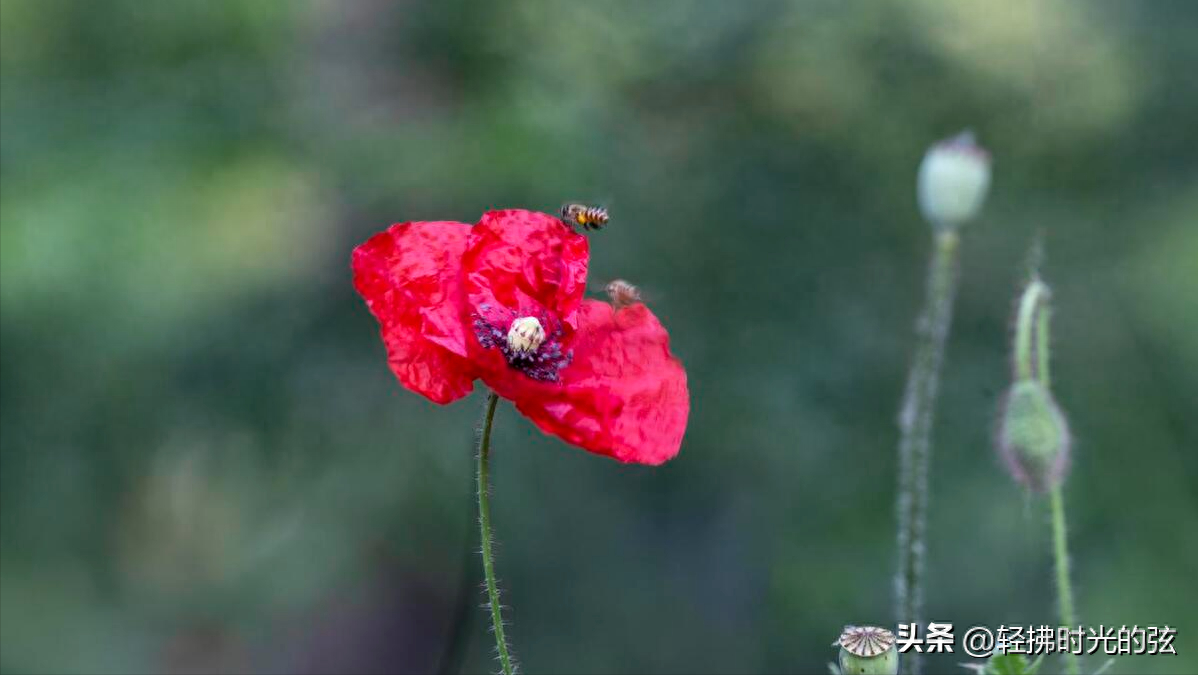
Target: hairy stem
(915, 424)
(1064, 586)
(1042, 346)
(1034, 317)
(484, 524)
(1025, 326)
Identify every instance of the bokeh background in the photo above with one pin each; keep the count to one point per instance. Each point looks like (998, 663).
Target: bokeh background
(207, 466)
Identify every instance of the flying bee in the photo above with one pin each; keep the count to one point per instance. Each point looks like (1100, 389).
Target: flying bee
(622, 294)
(586, 217)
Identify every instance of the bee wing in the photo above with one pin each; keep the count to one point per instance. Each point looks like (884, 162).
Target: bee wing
(649, 296)
(601, 203)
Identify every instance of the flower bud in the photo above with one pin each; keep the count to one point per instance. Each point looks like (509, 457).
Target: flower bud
(525, 335)
(1033, 436)
(953, 179)
(867, 650)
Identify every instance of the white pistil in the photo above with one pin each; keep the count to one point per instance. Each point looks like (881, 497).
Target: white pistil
(525, 335)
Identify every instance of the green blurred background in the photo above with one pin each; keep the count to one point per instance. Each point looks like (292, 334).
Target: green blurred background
(207, 466)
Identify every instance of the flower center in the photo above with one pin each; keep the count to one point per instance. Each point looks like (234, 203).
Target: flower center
(529, 344)
(525, 335)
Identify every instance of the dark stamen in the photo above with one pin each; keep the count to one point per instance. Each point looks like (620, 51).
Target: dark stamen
(541, 364)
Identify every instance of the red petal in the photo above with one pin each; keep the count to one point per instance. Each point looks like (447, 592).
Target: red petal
(410, 277)
(525, 261)
(623, 396)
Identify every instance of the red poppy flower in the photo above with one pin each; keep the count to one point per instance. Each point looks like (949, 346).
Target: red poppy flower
(502, 301)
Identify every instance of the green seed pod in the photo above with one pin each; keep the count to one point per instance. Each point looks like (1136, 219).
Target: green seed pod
(953, 179)
(1033, 436)
(867, 650)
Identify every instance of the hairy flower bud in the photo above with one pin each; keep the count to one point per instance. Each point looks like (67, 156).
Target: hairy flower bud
(867, 650)
(953, 179)
(1033, 436)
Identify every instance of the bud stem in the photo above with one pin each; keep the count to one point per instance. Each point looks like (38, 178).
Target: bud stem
(1042, 347)
(484, 524)
(1025, 324)
(1034, 316)
(1064, 587)
(915, 425)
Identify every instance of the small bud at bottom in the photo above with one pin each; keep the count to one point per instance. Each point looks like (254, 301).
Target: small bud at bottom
(1033, 436)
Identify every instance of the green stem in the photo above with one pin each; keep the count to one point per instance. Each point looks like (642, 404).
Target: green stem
(1034, 308)
(484, 524)
(1064, 586)
(1025, 324)
(1042, 345)
(915, 425)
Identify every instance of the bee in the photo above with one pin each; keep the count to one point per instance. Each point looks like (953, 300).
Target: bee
(586, 217)
(622, 294)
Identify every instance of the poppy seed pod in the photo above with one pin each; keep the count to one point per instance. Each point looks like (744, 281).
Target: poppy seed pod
(953, 179)
(1033, 436)
(526, 335)
(867, 650)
